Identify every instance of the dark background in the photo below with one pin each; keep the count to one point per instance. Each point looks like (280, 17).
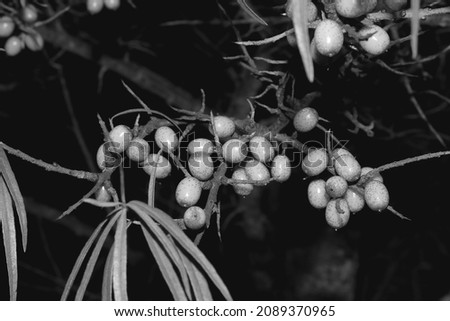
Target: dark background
(275, 245)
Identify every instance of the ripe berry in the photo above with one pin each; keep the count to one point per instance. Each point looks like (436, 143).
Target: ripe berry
(377, 177)
(162, 164)
(281, 168)
(188, 191)
(112, 4)
(376, 195)
(13, 46)
(339, 152)
(224, 126)
(320, 59)
(377, 42)
(29, 14)
(201, 166)
(166, 139)
(120, 136)
(312, 10)
(138, 149)
(317, 194)
(336, 186)
(261, 149)
(337, 213)
(234, 150)
(354, 8)
(194, 218)
(107, 157)
(355, 199)
(241, 189)
(347, 167)
(200, 146)
(6, 26)
(34, 41)
(256, 171)
(306, 119)
(102, 195)
(328, 37)
(315, 162)
(94, 6)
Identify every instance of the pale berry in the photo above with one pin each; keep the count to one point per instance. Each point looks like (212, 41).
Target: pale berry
(194, 218)
(33, 42)
(280, 168)
(315, 162)
(13, 46)
(102, 195)
(162, 164)
(94, 6)
(188, 191)
(376, 195)
(107, 157)
(339, 152)
(121, 137)
(201, 166)
(261, 149)
(306, 119)
(257, 171)
(241, 189)
(29, 14)
(347, 167)
(138, 150)
(311, 13)
(377, 41)
(166, 139)
(317, 194)
(6, 26)
(395, 5)
(112, 4)
(337, 213)
(224, 126)
(354, 8)
(328, 37)
(234, 150)
(200, 146)
(377, 176)
(336, 186)
(355, 199)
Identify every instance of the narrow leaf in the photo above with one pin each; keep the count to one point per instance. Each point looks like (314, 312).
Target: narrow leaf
(415, 26)
(9, 238)
(13, 186)
(165, 266)
(170, 226)
(179, 263)
(107, 277)
(250, 11)
(120, 259)
(101, 204)
(300, 20)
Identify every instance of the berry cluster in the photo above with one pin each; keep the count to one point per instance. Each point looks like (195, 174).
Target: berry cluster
(95, 6)
(17, 35)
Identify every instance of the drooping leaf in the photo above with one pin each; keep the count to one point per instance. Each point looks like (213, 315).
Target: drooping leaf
(120, 258)
(300, 20)
(415, 26)
(13, 187)
(107, 277)
(165, 266)
(9, 238)
(173, 229)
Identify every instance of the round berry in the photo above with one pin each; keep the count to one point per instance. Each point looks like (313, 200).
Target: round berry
(315, 162)
(281, 168)
(347, 167)
(261, 149)
(166, 139)
(6, 26)
(395, 5)
(138, 150)
(354, 8)
(336, 186)
(337, 213)
(377, 176)
(29, 14)
(201, 166)
(378, 40)
(355, 199)
(194, 218)
(329, 38)
(224, 126)
(94, 6)
(241, 189)
(107, 157)
(234, 150)
(112, 4)
(34, 42)
(120, 136)
(162, 164)
(306, 119)
(13, 46)
(188, 191)
(200, 146)
(257, 171)
(376, 195)
(339, 152)
(312, 10)
(317, 194)
(102, 195)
